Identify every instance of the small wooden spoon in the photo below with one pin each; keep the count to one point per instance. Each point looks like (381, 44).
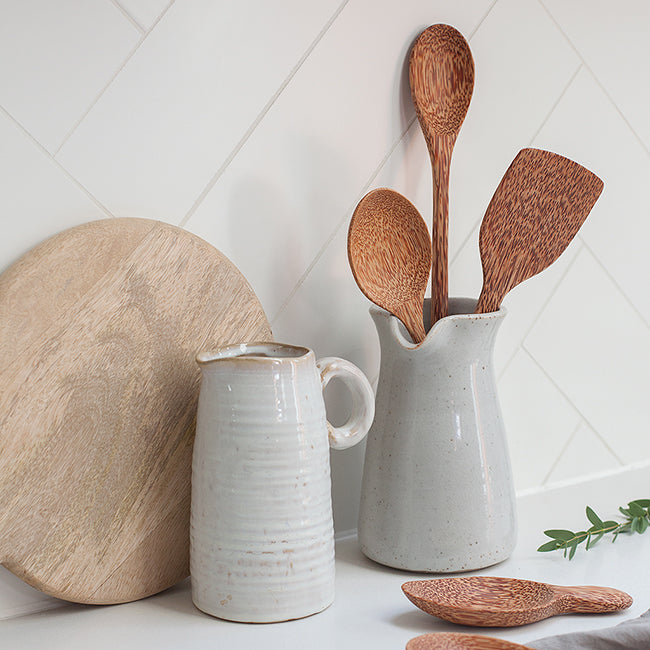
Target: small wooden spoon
(460, 641)
(389, 250)
(487, 601)
(535, 212)
(441, 75)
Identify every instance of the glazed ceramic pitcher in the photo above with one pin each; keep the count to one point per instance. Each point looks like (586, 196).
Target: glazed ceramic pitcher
(437, 492)
(262, 540)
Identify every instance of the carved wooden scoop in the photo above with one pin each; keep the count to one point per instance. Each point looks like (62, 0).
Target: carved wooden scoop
(390, 256)
(487, 601)
(535, 212)
(441, 75)
(460, 641)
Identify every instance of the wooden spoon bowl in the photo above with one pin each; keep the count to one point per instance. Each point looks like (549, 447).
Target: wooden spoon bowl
(459, 641)
(487, 601)
(390, 256)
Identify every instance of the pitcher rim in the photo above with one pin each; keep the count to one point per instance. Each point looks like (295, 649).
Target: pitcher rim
(258, 351)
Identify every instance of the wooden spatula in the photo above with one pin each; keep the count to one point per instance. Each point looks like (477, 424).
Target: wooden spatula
(535, 212)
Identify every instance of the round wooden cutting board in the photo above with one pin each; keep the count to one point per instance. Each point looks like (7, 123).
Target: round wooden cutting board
(99, 329)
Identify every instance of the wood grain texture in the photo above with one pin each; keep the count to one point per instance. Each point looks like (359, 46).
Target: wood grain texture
(487, 601)
(99, 329)
(389, 251)
(535, 212)
(441, 76)
(461, 641)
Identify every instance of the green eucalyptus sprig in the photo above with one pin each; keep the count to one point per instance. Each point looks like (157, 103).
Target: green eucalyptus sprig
(637, 520)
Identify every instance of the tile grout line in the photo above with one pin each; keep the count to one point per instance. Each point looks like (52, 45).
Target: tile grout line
(124, 63)
(557, 284)
(570, 401)
(482, 20)
(544, 121)
(557, 102)
(551, 295)
(342, 221)
(128, 16)
(267, 107)
(564, 448)
(619, 288)
(594, 76)
(254, 125)
(49, 156)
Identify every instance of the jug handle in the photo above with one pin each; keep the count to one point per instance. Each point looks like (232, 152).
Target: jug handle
(363, 401)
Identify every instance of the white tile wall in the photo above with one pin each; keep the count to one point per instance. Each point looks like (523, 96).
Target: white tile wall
(259, 126)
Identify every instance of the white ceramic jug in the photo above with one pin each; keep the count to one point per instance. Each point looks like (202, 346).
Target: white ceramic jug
(437, 492)
(262, 539)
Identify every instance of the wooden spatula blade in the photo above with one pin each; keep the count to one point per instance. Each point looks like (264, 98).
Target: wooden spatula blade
(535, 212)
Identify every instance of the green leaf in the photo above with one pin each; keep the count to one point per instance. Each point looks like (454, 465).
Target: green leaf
(559, 533)
(553, 545)
(643, 525)
(593, 517)
(572, 552)
(636, 510)
(592, 541)
(625, 511)
(644, 503)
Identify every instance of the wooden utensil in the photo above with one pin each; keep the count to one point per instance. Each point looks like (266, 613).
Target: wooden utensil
(460, 641)
(535, 212)
(389, 250)
(487, 601)
(441, 74)
(99, 328)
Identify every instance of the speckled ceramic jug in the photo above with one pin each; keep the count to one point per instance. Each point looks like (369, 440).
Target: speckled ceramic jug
(437, 492)
(262, 539)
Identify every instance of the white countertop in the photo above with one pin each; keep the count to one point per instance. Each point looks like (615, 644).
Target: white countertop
(370, 610)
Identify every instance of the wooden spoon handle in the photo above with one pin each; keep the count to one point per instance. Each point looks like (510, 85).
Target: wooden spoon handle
(440, 150)
(410, 313)
(588, 599)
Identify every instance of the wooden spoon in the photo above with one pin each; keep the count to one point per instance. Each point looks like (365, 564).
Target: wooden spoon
(535, 212)
(487, 601)
(441, 75)
(460, 641)
(390, 255)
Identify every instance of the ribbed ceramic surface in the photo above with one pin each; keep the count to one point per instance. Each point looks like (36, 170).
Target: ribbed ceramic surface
(262, 546)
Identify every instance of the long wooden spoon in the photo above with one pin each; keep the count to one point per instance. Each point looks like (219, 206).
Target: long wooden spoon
(441, 75)
(488, 601)
(461, 641)
(535, 212)
(389, 250)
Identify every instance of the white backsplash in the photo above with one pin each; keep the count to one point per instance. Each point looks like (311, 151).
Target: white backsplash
(260, 125)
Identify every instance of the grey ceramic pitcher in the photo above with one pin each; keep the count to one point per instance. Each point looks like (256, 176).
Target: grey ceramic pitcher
(437, 492)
